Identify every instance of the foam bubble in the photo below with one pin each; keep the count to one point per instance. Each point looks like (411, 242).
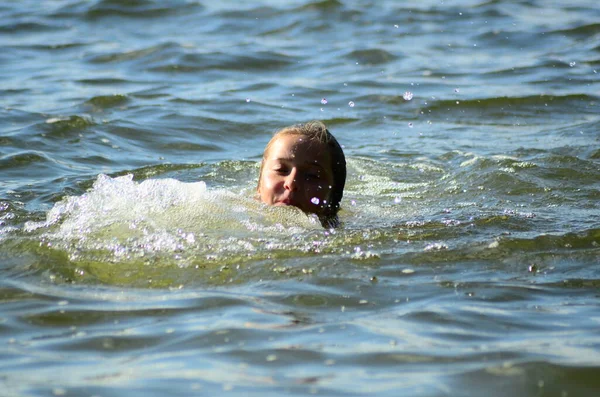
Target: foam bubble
(125, 219)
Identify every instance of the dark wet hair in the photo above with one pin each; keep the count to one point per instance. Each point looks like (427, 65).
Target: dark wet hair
(316, 131)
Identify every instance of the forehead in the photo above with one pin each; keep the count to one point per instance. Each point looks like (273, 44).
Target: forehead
(298, 148)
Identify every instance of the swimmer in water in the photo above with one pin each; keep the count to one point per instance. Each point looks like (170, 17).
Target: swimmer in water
(304, 166)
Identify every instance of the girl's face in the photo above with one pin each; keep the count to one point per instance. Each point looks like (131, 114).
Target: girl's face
(296, 172)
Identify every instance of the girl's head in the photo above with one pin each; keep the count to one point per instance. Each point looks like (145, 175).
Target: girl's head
(303, 165)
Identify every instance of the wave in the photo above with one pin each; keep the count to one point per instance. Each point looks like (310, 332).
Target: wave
(19, 27)
(172, 57)
(65, 126)
(529, 253)
(23, 160)
(583, 31)
(107, 101)
(371, 56)
(130, 220)
(139, 9)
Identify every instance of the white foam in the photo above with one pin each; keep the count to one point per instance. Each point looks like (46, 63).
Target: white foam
(134, 219)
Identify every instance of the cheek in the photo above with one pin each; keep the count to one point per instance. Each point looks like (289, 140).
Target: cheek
(268, 182)
(266, 189)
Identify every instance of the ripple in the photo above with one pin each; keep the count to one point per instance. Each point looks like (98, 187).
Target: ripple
(138, 9)
(500, 109)
(53, 47)
(22, 27)
(104, 81)
(533, 376)
(171, 57)
(176, 145)
(159, 51)
(371, 56)
(582, 32)
(22, 159)
(67, 126)
(258, 62)
(108, 101)
(522, 250)
(323, 5)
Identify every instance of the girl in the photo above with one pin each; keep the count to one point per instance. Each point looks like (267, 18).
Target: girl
(304, 166)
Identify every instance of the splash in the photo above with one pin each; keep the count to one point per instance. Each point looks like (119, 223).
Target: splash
(123, 219)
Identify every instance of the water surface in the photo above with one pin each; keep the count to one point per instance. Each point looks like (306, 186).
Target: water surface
(134, 259)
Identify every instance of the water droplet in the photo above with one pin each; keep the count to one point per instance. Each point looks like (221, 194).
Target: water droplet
(410, 125)
(324, 101)
(351, 104)
(247, 99)
(315, 200)
(533, 268)
(407, 96)
(571, 64)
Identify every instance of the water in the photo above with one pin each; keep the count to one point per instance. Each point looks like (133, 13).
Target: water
(135, 260)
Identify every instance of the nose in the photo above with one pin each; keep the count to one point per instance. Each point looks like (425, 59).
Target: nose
(290, 182)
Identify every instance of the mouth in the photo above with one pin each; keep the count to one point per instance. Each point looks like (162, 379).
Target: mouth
(285, 201)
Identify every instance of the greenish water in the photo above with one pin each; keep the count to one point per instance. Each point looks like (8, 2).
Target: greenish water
(134, 259)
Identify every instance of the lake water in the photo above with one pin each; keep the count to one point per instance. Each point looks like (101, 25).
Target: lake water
(135, 261)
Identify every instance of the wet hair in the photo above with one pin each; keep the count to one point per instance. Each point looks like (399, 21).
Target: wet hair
(316, 131)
